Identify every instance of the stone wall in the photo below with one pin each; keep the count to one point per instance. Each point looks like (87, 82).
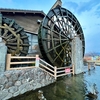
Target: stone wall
(3, 52)
(77, 55)
(16, 82)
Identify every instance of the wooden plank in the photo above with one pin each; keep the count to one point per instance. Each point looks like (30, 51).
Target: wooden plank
(55, 72)
(29, 22)
(65, 67)
(73, 69)
(46, 71)
(97, 61)
(8, 61)
(46, 67)
(60, 71)
(21, 57)
(46, 63)
(10, 30)
(0, 23)
(93, 61)
(88, 65)
(63, 74)
(31, 62)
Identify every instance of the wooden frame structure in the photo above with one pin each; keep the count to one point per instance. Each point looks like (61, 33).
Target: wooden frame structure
(9, 62)
(52, 70)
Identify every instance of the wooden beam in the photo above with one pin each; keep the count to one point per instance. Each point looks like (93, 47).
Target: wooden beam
(0, 23)
(8, 62)
(57, 3)
(30, 62)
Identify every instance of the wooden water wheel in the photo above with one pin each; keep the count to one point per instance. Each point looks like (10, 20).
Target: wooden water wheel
(55, 35)
(13, 36)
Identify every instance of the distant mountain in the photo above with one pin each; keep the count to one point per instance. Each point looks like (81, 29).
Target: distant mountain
(92, 54)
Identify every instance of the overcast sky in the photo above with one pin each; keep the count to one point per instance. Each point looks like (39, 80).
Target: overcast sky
(86, 11)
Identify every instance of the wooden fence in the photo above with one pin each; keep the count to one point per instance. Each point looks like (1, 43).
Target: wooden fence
(37, 62)
(9, 62)
(91, 64)
(54, 71)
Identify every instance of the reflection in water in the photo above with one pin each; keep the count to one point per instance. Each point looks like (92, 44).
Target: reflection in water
(91, 91)
(92, 82)
(67, 88)
(40, 95)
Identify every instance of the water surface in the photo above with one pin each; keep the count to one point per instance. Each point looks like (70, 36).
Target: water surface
(68, 87)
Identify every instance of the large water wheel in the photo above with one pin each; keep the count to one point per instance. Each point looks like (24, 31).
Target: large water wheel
(13, 36)
(56, 32)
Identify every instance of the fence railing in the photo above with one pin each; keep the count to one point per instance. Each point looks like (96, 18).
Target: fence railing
(11, 60)
(54, 71)
(91, 64)
(37, 62)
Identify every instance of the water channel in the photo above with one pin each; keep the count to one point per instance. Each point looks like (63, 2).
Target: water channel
(68, 87)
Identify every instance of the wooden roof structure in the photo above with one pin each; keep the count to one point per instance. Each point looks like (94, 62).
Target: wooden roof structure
(21, 11)
(28, 19)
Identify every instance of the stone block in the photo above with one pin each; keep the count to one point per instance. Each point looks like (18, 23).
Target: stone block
(3, 94)
(22, 86)
(3, 52)
(13, 89)
(23, 91)
(77, 55)
(3, 80)
(9, 88)
(1, 87)
(16, 94)
(8, 84)
(17, 83)
(8, 96)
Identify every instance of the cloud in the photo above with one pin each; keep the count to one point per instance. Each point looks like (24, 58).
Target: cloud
(88, 14)
(86, 11)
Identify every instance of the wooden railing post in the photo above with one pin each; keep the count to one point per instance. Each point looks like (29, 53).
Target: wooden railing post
(94, 65)
(55, 72)
(88, 65)
(8, 62)
(73, 69)
(37, 61)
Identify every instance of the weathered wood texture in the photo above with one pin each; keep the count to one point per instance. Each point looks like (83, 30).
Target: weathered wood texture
(25, 18)
(28, 22)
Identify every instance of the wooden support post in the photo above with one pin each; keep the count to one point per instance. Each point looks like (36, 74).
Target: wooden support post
(73, 69)
(57, 3)
(8, 62)
(94, 65)
(88, 65)
(37, 61)
(55, 72)
(0, 23)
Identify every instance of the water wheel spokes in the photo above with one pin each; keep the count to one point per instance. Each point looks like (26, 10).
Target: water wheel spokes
(14, 37)
(55, 36)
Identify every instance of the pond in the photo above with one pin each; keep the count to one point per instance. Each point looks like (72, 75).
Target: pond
(67, 88)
